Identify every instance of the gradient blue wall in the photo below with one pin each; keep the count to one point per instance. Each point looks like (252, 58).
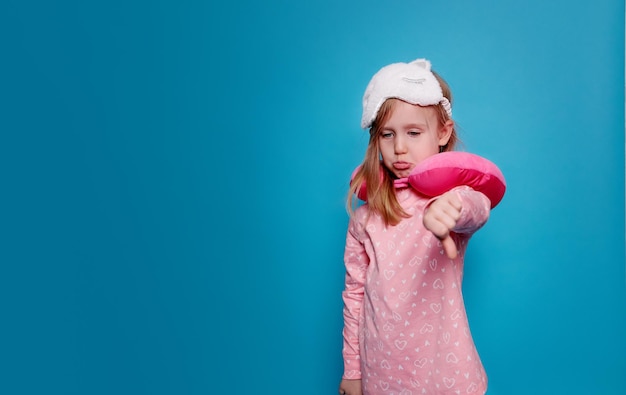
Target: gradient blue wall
(174, 172)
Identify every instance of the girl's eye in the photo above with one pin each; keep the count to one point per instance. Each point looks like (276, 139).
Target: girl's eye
(414, 132)
(387, 135)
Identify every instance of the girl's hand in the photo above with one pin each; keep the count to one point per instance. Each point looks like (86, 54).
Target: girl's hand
(441, 217)
(350, 387)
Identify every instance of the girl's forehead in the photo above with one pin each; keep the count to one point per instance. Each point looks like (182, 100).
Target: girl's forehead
(404, 112)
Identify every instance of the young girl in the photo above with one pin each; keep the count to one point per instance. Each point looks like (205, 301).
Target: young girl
(405, 329)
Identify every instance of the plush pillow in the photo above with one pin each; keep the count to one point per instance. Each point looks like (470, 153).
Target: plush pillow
(439, 173)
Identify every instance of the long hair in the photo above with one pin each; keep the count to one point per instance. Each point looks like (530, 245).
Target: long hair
(381, 194)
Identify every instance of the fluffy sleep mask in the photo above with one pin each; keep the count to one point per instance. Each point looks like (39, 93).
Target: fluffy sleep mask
(411, 82)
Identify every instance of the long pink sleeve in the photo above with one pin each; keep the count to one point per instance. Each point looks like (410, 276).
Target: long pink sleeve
(356, 262)
(475, 212)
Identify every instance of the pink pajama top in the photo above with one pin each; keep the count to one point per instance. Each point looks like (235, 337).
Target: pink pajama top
(405, 328)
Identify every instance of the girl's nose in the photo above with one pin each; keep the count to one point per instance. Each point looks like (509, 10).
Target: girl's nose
(400, 146)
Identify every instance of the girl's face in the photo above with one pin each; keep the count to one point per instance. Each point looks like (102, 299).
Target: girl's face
(410, 135)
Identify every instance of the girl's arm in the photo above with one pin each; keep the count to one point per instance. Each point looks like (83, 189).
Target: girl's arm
(460, 210)
(475, 210)
(356, 262)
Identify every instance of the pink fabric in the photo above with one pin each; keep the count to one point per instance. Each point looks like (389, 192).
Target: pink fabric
(406, 331)
(439, 173)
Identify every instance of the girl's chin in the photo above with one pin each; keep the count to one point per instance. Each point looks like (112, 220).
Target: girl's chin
(401, 174)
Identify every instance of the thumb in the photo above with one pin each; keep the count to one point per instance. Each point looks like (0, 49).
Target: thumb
(449, 246)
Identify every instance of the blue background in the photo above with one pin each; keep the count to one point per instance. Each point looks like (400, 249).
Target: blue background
(174, 173)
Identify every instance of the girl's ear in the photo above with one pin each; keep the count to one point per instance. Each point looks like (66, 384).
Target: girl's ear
(445, 132)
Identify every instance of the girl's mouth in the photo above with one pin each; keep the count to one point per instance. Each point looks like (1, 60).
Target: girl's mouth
(401, 165)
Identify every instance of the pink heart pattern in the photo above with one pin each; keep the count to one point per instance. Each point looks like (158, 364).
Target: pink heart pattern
(406, 327)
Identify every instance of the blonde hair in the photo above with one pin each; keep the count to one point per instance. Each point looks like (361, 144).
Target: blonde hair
(381, 194)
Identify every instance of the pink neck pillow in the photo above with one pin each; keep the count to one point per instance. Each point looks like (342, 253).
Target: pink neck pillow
(439, 173)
